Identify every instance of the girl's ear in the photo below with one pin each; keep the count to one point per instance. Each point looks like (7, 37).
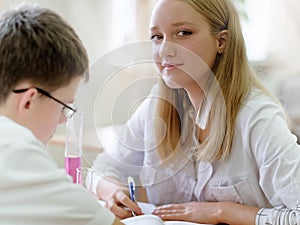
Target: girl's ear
(222, 40)
(25, 102)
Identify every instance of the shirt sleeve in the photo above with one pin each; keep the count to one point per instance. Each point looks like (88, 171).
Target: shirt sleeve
(275, 150)
(277, 216)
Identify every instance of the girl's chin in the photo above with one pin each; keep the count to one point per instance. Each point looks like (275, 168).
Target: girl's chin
(170, 83)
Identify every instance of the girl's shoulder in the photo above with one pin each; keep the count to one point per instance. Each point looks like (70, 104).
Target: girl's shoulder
(260, 105)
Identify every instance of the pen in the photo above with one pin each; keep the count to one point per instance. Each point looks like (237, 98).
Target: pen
(131, 187)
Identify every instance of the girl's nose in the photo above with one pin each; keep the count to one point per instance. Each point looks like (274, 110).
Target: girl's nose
(167, 49)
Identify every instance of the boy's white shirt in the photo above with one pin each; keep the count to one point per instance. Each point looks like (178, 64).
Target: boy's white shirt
(33, 190)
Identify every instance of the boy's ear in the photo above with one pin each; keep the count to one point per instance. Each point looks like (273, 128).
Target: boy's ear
(222, 40)
(25, 102)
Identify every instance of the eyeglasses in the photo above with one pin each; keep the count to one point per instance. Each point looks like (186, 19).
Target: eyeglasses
(68, 111)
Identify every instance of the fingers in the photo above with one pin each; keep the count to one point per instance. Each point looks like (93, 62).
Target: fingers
(115, 205)
(124, 200)
(120, 212)
(170, 212)
(121, 205)
(171, 207)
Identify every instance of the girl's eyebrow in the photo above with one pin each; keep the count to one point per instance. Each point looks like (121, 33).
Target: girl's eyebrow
(177, 24)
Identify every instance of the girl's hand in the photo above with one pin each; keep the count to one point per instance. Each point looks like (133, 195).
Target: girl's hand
(120, 204)
(198, 212)
(209, 213)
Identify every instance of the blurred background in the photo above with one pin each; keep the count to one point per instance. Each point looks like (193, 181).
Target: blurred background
(271, 29)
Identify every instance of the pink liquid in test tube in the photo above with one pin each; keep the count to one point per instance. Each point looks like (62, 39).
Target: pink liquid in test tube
(71, 163)
(73, 146)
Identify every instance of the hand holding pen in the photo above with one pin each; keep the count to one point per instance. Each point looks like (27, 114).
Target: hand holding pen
(131, 188)
(115, 194)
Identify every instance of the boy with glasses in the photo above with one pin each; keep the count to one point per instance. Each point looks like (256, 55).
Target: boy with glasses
(41, 63)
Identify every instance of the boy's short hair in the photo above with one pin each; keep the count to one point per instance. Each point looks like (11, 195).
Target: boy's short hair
(38, 46)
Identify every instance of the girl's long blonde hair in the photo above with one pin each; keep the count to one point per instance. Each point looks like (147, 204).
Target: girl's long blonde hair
(234, 76)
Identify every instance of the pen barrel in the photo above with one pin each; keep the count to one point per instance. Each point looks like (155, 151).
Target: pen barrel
(131, 187)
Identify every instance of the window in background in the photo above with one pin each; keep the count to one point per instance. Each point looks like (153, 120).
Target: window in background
(256, 25)
(123, 22)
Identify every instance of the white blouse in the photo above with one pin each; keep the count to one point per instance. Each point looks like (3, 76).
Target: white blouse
(262, 170)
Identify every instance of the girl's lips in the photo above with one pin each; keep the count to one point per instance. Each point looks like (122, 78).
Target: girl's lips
(170, 66)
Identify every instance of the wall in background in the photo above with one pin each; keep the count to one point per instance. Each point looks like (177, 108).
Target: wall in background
(104, 25)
